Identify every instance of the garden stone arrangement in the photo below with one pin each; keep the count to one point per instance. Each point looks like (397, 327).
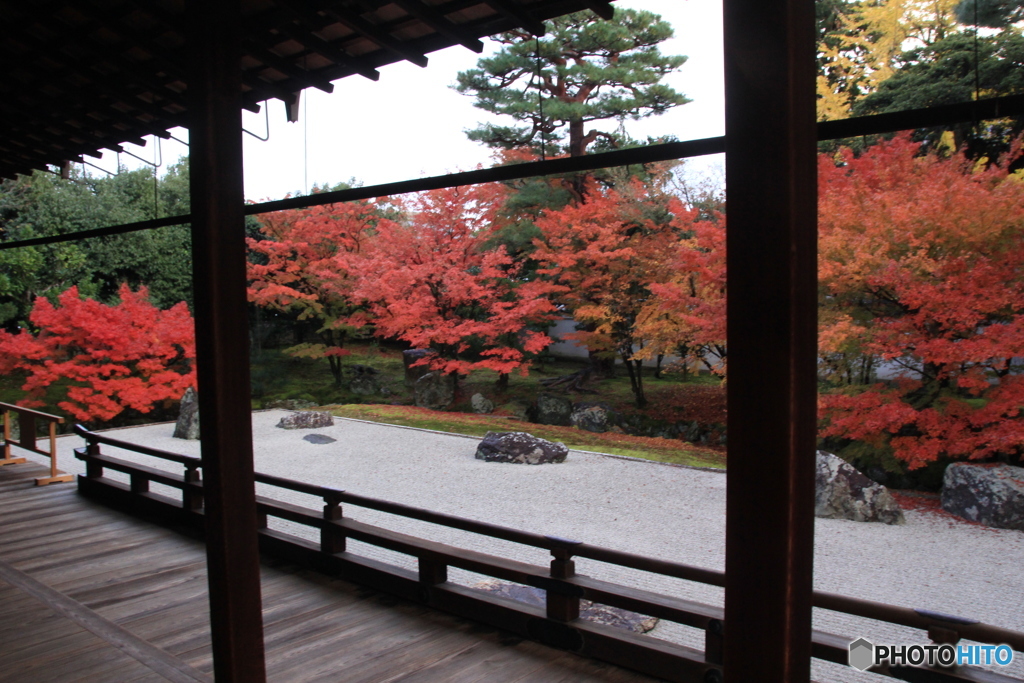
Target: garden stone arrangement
(520, 447)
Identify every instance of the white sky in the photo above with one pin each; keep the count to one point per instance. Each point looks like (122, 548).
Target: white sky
(410, 123)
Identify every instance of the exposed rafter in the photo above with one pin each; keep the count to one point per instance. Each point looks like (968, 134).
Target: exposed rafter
(439, 23)
(601, 8)
(518, 15)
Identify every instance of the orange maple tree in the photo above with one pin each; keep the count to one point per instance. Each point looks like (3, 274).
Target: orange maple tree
(606, 253)
(920, 266)
(685, 316)
(429, 281)
(130, 355)
(306, 269)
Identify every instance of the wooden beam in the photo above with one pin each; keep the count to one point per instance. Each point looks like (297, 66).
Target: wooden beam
(309, 21)
(601, 8)
(518, 14)
(222, 347)
(381, 38)
(772, 330)
(441, 24)
(287, 66)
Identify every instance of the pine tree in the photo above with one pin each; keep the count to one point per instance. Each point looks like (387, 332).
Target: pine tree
(585, 70)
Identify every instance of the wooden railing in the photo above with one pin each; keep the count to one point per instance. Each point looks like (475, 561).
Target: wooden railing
(27, 439)
(558, 624)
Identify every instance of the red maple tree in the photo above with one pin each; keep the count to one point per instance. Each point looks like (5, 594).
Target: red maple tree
(920, 266)
(306, 269)
(130, 355)
(430, 281)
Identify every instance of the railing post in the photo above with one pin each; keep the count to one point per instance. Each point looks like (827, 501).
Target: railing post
(562, 607)
(331, 539)
(714, 641)
(7, 459)
(93, 469)
(192, 493)
(432, 573)
(139, 483)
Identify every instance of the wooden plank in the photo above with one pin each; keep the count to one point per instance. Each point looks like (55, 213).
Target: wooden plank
(148, 581)
(167, 666)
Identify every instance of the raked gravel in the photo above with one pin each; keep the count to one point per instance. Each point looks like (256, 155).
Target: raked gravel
(674, 513)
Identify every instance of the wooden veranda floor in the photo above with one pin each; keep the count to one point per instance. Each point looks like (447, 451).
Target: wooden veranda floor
(90, 594)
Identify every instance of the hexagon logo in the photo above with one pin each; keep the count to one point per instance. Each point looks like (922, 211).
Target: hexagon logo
(862, 654)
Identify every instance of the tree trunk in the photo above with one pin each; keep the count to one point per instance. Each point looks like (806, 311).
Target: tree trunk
(657, 367)
(577, 185)
(502, 385)
(336, 368)
(636, 381)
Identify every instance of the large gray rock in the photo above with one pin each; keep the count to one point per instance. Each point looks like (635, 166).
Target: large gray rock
(521, 448)
(481, 404)
(435, 391)
(413, 373)
(592, 417)
(307, 419)
(990, 495)
(842, 492)
(552, 410)
(187, 426)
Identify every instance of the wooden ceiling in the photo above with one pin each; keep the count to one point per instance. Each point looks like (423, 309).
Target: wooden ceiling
(81, 76)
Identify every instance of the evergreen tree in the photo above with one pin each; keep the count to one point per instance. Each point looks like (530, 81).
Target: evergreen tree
(584, 70)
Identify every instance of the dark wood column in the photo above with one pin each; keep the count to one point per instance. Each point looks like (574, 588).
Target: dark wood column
(218, 261)
(772, 307)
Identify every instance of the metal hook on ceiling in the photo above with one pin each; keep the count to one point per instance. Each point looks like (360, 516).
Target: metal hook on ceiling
(155, 164)
(266, 116)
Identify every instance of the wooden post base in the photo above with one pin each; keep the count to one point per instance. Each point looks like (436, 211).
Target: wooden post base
(60, 478)
(11, 461)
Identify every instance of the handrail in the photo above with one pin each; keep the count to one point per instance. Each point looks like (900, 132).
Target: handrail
(562, 602)
(27, 440)
(29, 411)
(93, 437)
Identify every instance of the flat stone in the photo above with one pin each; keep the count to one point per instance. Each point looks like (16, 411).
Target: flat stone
(989, 495)
(600, 614)
(318, 438)
(306, 420)
(520, 448)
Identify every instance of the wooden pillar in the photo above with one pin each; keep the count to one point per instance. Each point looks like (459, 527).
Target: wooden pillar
(772, 308)
(218, 257)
